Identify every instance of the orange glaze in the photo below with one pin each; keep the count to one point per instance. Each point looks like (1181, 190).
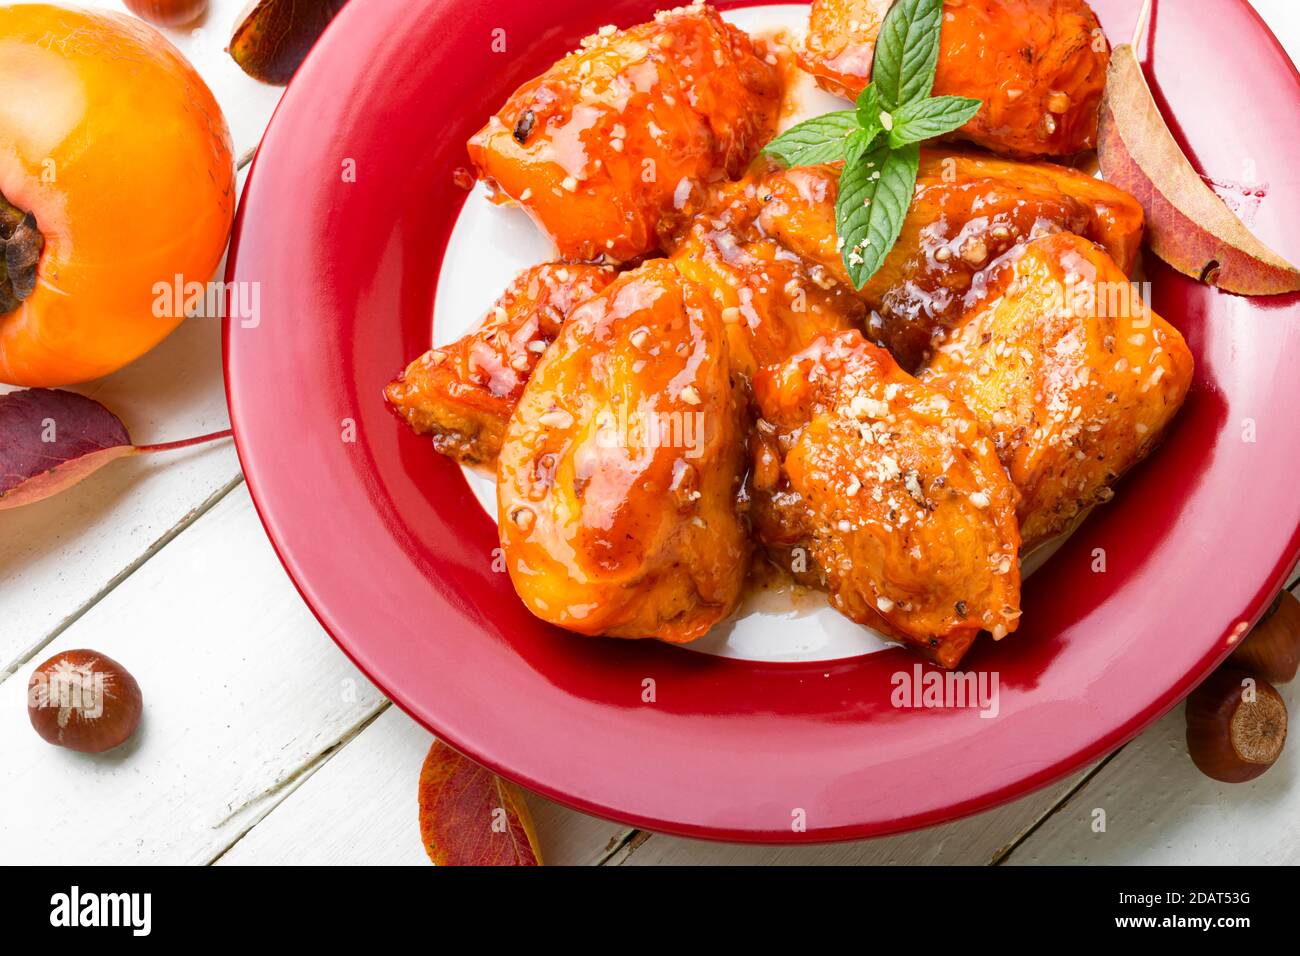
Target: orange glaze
(1039, 66)
(967, 211)
(463, 394)
(887, 493)
(765, 247)
(1072, 373)
(616, 142)
(772, 301)
(618, 481)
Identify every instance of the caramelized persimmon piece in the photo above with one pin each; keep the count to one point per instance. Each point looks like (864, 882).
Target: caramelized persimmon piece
(892, 494)
(619, 478)
(1072, 373)
(773, 303)
(1039, 66)
(840, 47)
(616, 141)
(463, 393)
(967, 211)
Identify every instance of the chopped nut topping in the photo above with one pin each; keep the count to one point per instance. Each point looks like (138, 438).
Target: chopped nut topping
(912, 482)
(556, 418)
(975, 251)
(862, 407)
(1058, 102)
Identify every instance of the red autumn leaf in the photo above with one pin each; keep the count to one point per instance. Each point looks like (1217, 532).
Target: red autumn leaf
(471, 817)
(1188, 225)
(51, 439)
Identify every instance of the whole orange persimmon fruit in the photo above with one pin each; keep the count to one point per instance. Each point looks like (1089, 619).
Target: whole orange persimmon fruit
(116, 176)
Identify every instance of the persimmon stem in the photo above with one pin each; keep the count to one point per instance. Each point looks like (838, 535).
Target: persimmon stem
(1139, 31)
(185, 442)
(21, 245)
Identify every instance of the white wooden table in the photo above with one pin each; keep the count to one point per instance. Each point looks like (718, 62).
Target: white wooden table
(262, 744)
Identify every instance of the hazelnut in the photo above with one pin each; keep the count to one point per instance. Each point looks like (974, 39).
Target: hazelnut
(1272, 649)
(1236, 726)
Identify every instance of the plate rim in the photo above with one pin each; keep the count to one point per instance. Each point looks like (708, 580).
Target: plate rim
(991, 798)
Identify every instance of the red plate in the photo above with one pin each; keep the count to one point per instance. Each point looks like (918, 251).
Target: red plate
(393, 554)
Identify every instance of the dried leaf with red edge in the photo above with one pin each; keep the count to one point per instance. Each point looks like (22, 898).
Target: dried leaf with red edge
(273, 37)
(1188, 225)
(471, 817)
(51, 439)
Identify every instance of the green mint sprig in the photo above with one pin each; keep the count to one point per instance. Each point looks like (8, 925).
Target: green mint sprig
(879, 139)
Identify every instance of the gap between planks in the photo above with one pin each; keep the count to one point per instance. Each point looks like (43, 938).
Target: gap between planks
(283, 788)
(161, 542)
(624, 845)
(1002, 855)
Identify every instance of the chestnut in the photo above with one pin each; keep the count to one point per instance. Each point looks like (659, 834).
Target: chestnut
(1236, 726)
(84, 701)
(168, 13)
(1272, 649)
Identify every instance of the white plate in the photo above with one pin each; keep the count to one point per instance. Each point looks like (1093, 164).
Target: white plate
(491, 244)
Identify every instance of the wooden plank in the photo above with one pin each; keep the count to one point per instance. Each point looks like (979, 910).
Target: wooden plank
(243, 693)
(59, 555)
(974, 841)
(360, 809)
(239, 711)
(1157, 808)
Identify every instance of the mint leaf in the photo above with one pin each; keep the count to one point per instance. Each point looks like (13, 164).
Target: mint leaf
(874, 196)
(907, 51)
(869, 125)
(869, 107)
(859, 143)
(926, 119)
(879, 138)
(822, 139)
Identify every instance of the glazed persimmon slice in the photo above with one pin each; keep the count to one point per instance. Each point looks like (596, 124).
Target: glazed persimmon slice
(615, 143)
(1075, 377)
(888, 494)
(462, 394)
(619, 477)
(967, 211)
(1039, 66)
